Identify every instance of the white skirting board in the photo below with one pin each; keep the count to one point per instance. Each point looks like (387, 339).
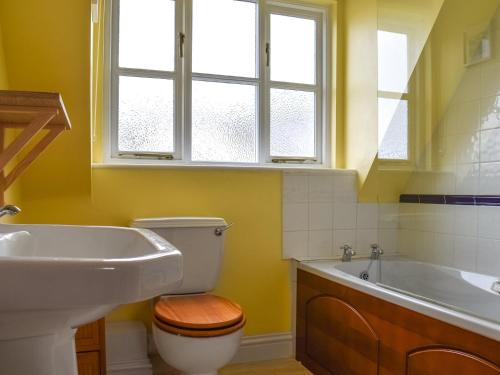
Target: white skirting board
(258, 348)
(264, 348)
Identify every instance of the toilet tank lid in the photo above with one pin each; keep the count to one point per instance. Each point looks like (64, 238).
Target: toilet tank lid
(178, 222)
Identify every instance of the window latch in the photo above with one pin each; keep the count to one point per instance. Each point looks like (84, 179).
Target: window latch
(268, 54)
(292, 160)
(182, 39)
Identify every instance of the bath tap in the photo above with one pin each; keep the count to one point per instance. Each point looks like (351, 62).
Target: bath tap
(376, 251)
(348, 253)
(9, 209)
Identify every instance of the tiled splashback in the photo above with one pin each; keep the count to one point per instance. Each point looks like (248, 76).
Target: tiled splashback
(465, 237)
(321, 213)
(465, 158)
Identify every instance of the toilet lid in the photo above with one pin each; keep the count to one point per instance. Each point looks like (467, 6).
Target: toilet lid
(204, 311)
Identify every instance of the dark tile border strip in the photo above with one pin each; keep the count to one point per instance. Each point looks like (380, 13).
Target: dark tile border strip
(463, 200)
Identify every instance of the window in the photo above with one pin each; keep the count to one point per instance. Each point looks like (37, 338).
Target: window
(393, 98)
(217, 81)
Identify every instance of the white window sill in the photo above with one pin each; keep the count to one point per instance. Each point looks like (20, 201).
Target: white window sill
(148, 164)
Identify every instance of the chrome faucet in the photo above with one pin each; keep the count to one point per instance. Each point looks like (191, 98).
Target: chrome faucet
(9, 209)
(348, 253)
(376, 251)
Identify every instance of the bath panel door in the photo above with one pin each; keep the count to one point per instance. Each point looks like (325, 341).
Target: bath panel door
(444, 361)
(339, 338)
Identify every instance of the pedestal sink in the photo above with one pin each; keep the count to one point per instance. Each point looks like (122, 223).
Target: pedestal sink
(54, 278)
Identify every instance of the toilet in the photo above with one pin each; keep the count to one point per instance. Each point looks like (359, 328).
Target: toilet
(195, 332)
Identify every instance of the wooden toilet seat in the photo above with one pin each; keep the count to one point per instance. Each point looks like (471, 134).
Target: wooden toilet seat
(203, 315)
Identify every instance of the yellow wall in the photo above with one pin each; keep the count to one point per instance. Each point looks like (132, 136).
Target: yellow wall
(3, 69)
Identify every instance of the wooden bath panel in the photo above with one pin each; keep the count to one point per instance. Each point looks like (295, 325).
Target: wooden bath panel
(343, 331)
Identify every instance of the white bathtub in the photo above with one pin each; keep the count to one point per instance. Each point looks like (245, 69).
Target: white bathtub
(461, 298)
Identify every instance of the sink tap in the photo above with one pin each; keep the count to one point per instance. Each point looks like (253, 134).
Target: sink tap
(348, 253)
(376, 251)
(9, 209)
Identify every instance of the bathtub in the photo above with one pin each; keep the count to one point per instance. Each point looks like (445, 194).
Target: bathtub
(465, 299)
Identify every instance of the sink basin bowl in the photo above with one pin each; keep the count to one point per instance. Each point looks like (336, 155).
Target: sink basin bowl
(54, 278)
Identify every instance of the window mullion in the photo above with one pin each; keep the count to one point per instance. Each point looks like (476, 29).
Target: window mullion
(178, 82)
(264, 97)
(187, 79)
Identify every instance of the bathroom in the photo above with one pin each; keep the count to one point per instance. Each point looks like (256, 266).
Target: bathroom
(312, 129)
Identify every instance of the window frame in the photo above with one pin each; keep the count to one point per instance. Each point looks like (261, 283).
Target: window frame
(409, 97)
(183, 78)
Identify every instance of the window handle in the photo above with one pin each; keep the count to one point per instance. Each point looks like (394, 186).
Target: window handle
(182, 38)
(268, 54)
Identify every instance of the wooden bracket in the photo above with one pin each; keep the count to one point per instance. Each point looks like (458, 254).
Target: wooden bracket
(32, 112)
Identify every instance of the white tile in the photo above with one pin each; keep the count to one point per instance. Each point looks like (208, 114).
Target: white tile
(468, 117)
(406, 242)
(295, 187)
(320, 243)
(490, 80)
(424, 246)
(445, 219)
(489, 178)
(367, 217)
(295, 244)
(465, 220)
(343, 237)
(427, 218)
(488, 222)
(490, 112)
(446, 151)
(467, 181)
(490, 145)
(388, 215)
(444, 182)
(488, 257)
(467, 147)
(470, 85)
(407, 215)
(345, 188)
(443, 249)
(388, 240)
(295, 216)
(320, 216)
(364, 239)
(464, 253)
(344, 215)
(321, 188)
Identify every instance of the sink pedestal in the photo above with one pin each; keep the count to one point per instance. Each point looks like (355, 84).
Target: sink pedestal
(52, 354)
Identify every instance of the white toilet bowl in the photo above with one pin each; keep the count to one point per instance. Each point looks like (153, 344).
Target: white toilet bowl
(200, 356)
(197, 334)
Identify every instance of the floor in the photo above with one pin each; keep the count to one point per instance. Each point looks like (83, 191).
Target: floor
(275, 367)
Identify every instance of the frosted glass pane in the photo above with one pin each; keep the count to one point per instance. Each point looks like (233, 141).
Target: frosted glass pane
(392, 61)
(392, 129)
(224, 126)
(147, 34)
(293, 49)
(146, 115)
(292, 123)
(224, 37)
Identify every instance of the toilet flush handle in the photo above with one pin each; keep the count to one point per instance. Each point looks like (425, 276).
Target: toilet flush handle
(221, 230)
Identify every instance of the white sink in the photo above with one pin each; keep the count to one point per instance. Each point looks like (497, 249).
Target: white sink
(54, 278)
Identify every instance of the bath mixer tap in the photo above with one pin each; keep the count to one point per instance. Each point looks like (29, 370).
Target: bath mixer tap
(376, 251)
(9, 209)
(348, 253)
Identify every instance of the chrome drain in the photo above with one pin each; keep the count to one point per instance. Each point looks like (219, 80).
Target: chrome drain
(364, 275)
